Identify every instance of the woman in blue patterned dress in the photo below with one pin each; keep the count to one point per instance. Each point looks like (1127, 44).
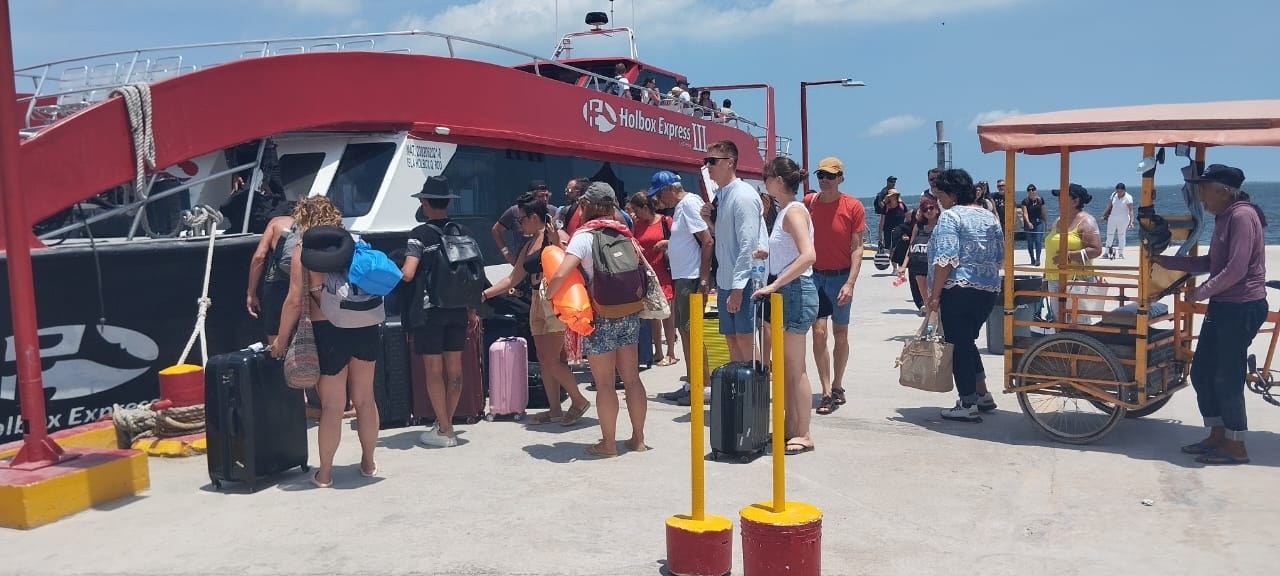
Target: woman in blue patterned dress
(965, 255)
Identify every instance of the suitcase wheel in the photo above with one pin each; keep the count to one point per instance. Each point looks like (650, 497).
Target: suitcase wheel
(488, 417)
(473, 420)
(715, 455)
(743, 459)
(518, 416)
(305, 467)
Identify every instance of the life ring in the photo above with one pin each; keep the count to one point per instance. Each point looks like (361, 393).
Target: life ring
(570, 303)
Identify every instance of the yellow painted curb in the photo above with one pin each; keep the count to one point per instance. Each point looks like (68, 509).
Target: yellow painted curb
(100, 435)
(35, 498)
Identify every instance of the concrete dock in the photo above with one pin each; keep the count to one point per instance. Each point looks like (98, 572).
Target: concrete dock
(902, 491)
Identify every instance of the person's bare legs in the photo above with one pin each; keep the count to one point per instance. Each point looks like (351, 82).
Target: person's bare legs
(740, 347)
(821, 355)
(437, 392)
(453, 377)
(840, 354)
(669, 331)
(799, 404)
(333, 397)
(637, 397)
(655, 339)
(556, 375)
(360, 381)
(603, 374)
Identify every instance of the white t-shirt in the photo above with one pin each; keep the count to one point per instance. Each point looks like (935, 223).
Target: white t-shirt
(580, 245)
(683, 250)
(1120, 208)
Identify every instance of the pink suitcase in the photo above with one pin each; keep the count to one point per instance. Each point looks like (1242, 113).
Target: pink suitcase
(508, 372)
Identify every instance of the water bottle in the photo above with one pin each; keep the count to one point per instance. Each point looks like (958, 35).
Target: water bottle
(899, 280)
(758, 275)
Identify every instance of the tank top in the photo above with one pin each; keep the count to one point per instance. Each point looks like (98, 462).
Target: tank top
(782, 246)
(290, 239)
(1074, 244)
(919, 251)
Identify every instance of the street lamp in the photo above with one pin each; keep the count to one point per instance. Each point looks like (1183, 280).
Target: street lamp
(804, 117)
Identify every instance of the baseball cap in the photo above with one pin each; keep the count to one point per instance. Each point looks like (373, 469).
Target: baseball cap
(600, 193)
(537, 185)
(661, 179)
(832, 165)
(1222, 174)
(891, 178)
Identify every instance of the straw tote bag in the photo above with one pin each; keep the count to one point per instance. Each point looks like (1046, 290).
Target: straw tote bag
(302, 360)
(925, 363)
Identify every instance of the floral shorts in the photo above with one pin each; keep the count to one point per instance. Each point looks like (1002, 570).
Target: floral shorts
(611, 334)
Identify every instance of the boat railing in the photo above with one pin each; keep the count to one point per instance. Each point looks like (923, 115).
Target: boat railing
(55, 90)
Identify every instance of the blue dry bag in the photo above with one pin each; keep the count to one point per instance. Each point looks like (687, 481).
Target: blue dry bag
(372, 271)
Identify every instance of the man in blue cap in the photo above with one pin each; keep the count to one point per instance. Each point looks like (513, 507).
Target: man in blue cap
(688, 251)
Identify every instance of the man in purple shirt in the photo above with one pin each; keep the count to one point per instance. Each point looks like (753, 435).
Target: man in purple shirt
(1236, 291)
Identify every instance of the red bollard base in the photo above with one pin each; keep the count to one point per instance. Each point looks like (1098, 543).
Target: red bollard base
(787, 542)
(183, 385)
(699, 547)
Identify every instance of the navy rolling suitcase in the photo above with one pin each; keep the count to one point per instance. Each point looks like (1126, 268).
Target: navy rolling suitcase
(644, 347)
(256, 425)
(392, 386)
(739, 411)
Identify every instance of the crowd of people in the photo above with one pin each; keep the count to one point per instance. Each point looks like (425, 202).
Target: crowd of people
(951, 246)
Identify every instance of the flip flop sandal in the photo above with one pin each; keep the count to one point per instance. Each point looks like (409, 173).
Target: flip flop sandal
(371, 473)
(641, 448)
(574, 414)
(1214, 456)
(826, 406)
(545, 418)
(596, 451)
(794, 448)
(667, 361)
(837, 394)
(319, 484)
(1200, 447)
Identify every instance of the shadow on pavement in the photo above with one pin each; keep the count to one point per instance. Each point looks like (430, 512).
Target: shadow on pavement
(1139, 439)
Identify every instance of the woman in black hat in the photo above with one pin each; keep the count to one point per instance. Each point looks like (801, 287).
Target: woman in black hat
(1236, 291)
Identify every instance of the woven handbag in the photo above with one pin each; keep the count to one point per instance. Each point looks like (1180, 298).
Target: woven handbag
(655, 301)
(925, 363)
(302, 360)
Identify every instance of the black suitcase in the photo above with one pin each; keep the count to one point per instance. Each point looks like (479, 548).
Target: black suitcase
(256, 426)
(739, 411)
(538, 388)
(392, 386)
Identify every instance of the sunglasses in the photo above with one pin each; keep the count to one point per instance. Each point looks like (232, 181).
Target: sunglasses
(930, 208)
(822, 175)
(712, 160)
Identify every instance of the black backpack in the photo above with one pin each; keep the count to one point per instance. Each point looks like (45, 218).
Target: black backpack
(457, 278)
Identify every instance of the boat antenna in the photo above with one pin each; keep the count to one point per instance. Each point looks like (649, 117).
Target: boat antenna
(611, 18)
(557, 17)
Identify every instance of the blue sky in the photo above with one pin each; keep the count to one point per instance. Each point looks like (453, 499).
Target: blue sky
(959, 61)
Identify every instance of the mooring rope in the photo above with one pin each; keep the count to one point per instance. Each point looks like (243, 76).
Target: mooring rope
(137, 101)
(209, 218)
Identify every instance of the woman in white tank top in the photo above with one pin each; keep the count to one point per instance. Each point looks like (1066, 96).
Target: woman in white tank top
(791, 258)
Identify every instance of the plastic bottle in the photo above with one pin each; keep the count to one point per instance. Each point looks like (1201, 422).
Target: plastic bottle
(758, 275)
(899, 280)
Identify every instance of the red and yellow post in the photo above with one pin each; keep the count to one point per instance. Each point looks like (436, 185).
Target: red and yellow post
(698, 544)
(780, 537)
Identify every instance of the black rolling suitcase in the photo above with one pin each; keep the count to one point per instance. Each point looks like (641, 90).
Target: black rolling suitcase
(392, 387)
(739, 411)
(256, 425)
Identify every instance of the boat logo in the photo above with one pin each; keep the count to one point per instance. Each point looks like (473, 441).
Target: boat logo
(82, 360)
(600, 114)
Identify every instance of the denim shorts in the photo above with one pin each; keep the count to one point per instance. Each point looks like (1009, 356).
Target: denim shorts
(829, 284)
(799, 305)
(740, 322)
(611, 334)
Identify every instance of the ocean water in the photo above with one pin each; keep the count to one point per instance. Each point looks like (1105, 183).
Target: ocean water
(1168, 202)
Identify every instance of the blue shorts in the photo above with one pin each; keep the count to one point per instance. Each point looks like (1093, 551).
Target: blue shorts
(799, 305)
(741, 322)
(829, 285)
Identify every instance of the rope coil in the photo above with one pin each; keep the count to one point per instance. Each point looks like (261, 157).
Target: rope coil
(137, 102)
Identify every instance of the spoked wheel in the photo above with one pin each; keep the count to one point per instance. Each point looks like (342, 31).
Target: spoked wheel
(1063, 411)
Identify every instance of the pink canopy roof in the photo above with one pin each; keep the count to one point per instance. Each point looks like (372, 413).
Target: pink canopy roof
(1237, 123)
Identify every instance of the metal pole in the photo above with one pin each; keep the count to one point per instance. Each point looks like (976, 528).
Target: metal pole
(779, 406)
(697, 380)
(38, 450)
(804, 135)
(771, 125)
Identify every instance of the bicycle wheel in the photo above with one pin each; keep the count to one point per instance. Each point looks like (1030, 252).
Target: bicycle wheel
(1142, 412)
(1064, 412)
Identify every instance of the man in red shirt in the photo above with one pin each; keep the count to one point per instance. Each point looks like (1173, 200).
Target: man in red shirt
(839, 227)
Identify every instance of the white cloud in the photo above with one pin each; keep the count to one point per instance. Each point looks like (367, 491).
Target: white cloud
(321, 7)
(991, 116)
(895, 124)
(529, 24)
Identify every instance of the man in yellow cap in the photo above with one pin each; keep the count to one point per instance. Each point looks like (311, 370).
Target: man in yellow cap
(839, 227)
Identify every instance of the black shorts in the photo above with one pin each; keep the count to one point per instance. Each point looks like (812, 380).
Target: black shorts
(444, 330)
(824, 305)
(337, 346)
(273, 295)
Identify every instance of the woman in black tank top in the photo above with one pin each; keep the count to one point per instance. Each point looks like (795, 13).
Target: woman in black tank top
(548, 331)
(917, 261)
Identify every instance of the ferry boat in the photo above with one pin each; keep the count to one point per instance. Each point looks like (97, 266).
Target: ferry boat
(120, 251)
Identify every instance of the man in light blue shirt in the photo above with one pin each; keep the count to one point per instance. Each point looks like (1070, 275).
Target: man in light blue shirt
(738, 232)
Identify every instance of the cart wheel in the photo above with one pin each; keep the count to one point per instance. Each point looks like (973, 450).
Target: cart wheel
(1063, 412)
(1142, 412)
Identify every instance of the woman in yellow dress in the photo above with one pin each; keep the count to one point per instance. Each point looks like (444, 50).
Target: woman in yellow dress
(1084, 243)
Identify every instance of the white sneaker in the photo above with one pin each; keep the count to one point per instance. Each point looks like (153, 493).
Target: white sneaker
(434, 438)
(986, 402)
(962, 412)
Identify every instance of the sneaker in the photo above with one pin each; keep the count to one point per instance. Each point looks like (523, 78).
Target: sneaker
(687, 399)
(676, 395)
(986, 402)
(434, 438)
(962, 412)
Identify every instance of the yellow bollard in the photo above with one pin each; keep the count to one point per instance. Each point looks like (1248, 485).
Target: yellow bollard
(780, 537)
(698, 544)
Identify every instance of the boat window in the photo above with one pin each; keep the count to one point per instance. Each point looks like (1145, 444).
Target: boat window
(360, 174)
(472, 176)
(665, 82)
(298, 171)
